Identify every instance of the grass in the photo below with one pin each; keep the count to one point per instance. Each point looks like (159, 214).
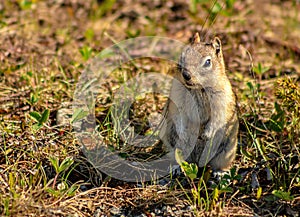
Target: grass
(45, 46)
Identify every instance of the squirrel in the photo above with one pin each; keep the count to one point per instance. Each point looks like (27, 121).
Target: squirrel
(201, 113)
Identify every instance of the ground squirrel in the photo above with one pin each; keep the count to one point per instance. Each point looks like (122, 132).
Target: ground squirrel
(201, 112)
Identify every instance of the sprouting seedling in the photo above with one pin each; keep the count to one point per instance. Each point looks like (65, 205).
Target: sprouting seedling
(86, 52)
(283, 195)
(33, 98)
(190, 170)
(259, 69)
(59, 168)
(41, 119)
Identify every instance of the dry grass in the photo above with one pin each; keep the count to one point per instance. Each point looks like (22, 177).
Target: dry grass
(45, 46)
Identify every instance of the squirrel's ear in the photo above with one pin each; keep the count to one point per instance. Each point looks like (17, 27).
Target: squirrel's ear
(196, 38)
(217, 45)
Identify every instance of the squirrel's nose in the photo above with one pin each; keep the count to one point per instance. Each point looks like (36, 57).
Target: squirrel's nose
(186, 75)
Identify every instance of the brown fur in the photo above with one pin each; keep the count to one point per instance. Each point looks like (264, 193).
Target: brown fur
(201, 116)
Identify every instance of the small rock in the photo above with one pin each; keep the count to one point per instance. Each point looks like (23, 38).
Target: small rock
(254, 181)
(115, 211)
(157, 211)
(269, 175)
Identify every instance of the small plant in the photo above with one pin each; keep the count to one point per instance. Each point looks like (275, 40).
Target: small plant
(41, 119)
(104, 7)
(25, 4)
(33, 99)
(277, 119)
(288, 92)
(191, 172)
(260, 69)
(61, 169)
(253, 93)
(86, 52)
(224, 8)
(288, 107)
(224, 185)
(132, 33)
(283, 195)
(209, 202)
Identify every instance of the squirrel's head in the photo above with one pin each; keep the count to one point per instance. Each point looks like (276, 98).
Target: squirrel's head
(201, 64)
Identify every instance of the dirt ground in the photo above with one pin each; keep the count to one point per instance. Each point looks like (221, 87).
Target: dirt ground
(45, 45)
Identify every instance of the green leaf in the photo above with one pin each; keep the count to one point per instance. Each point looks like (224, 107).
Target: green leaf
(215, 194)
(89, 34)
(35, 116)
(132, 33)
(179, 156)
(216, 8)
(226, 189)
(229, 4)
(45, 116)
(191, 170)
(259, 69)
(86, 52)
(55, 163)
(72, 190)
(261, 149)
(105, 7)
(283, 195)
(275, 126)
(37, 126)
(33, 98)
(11, 180)
(246, 153)
(53, 192)
(193, 6)
(65, 164)
(2, 24)
(78, 115)
(25, 4)
(277, 120)
(250, 85)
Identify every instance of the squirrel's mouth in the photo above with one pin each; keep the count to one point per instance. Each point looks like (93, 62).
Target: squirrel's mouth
(190, 85)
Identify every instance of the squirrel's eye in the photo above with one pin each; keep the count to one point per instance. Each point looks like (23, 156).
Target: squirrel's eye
(207, 63)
